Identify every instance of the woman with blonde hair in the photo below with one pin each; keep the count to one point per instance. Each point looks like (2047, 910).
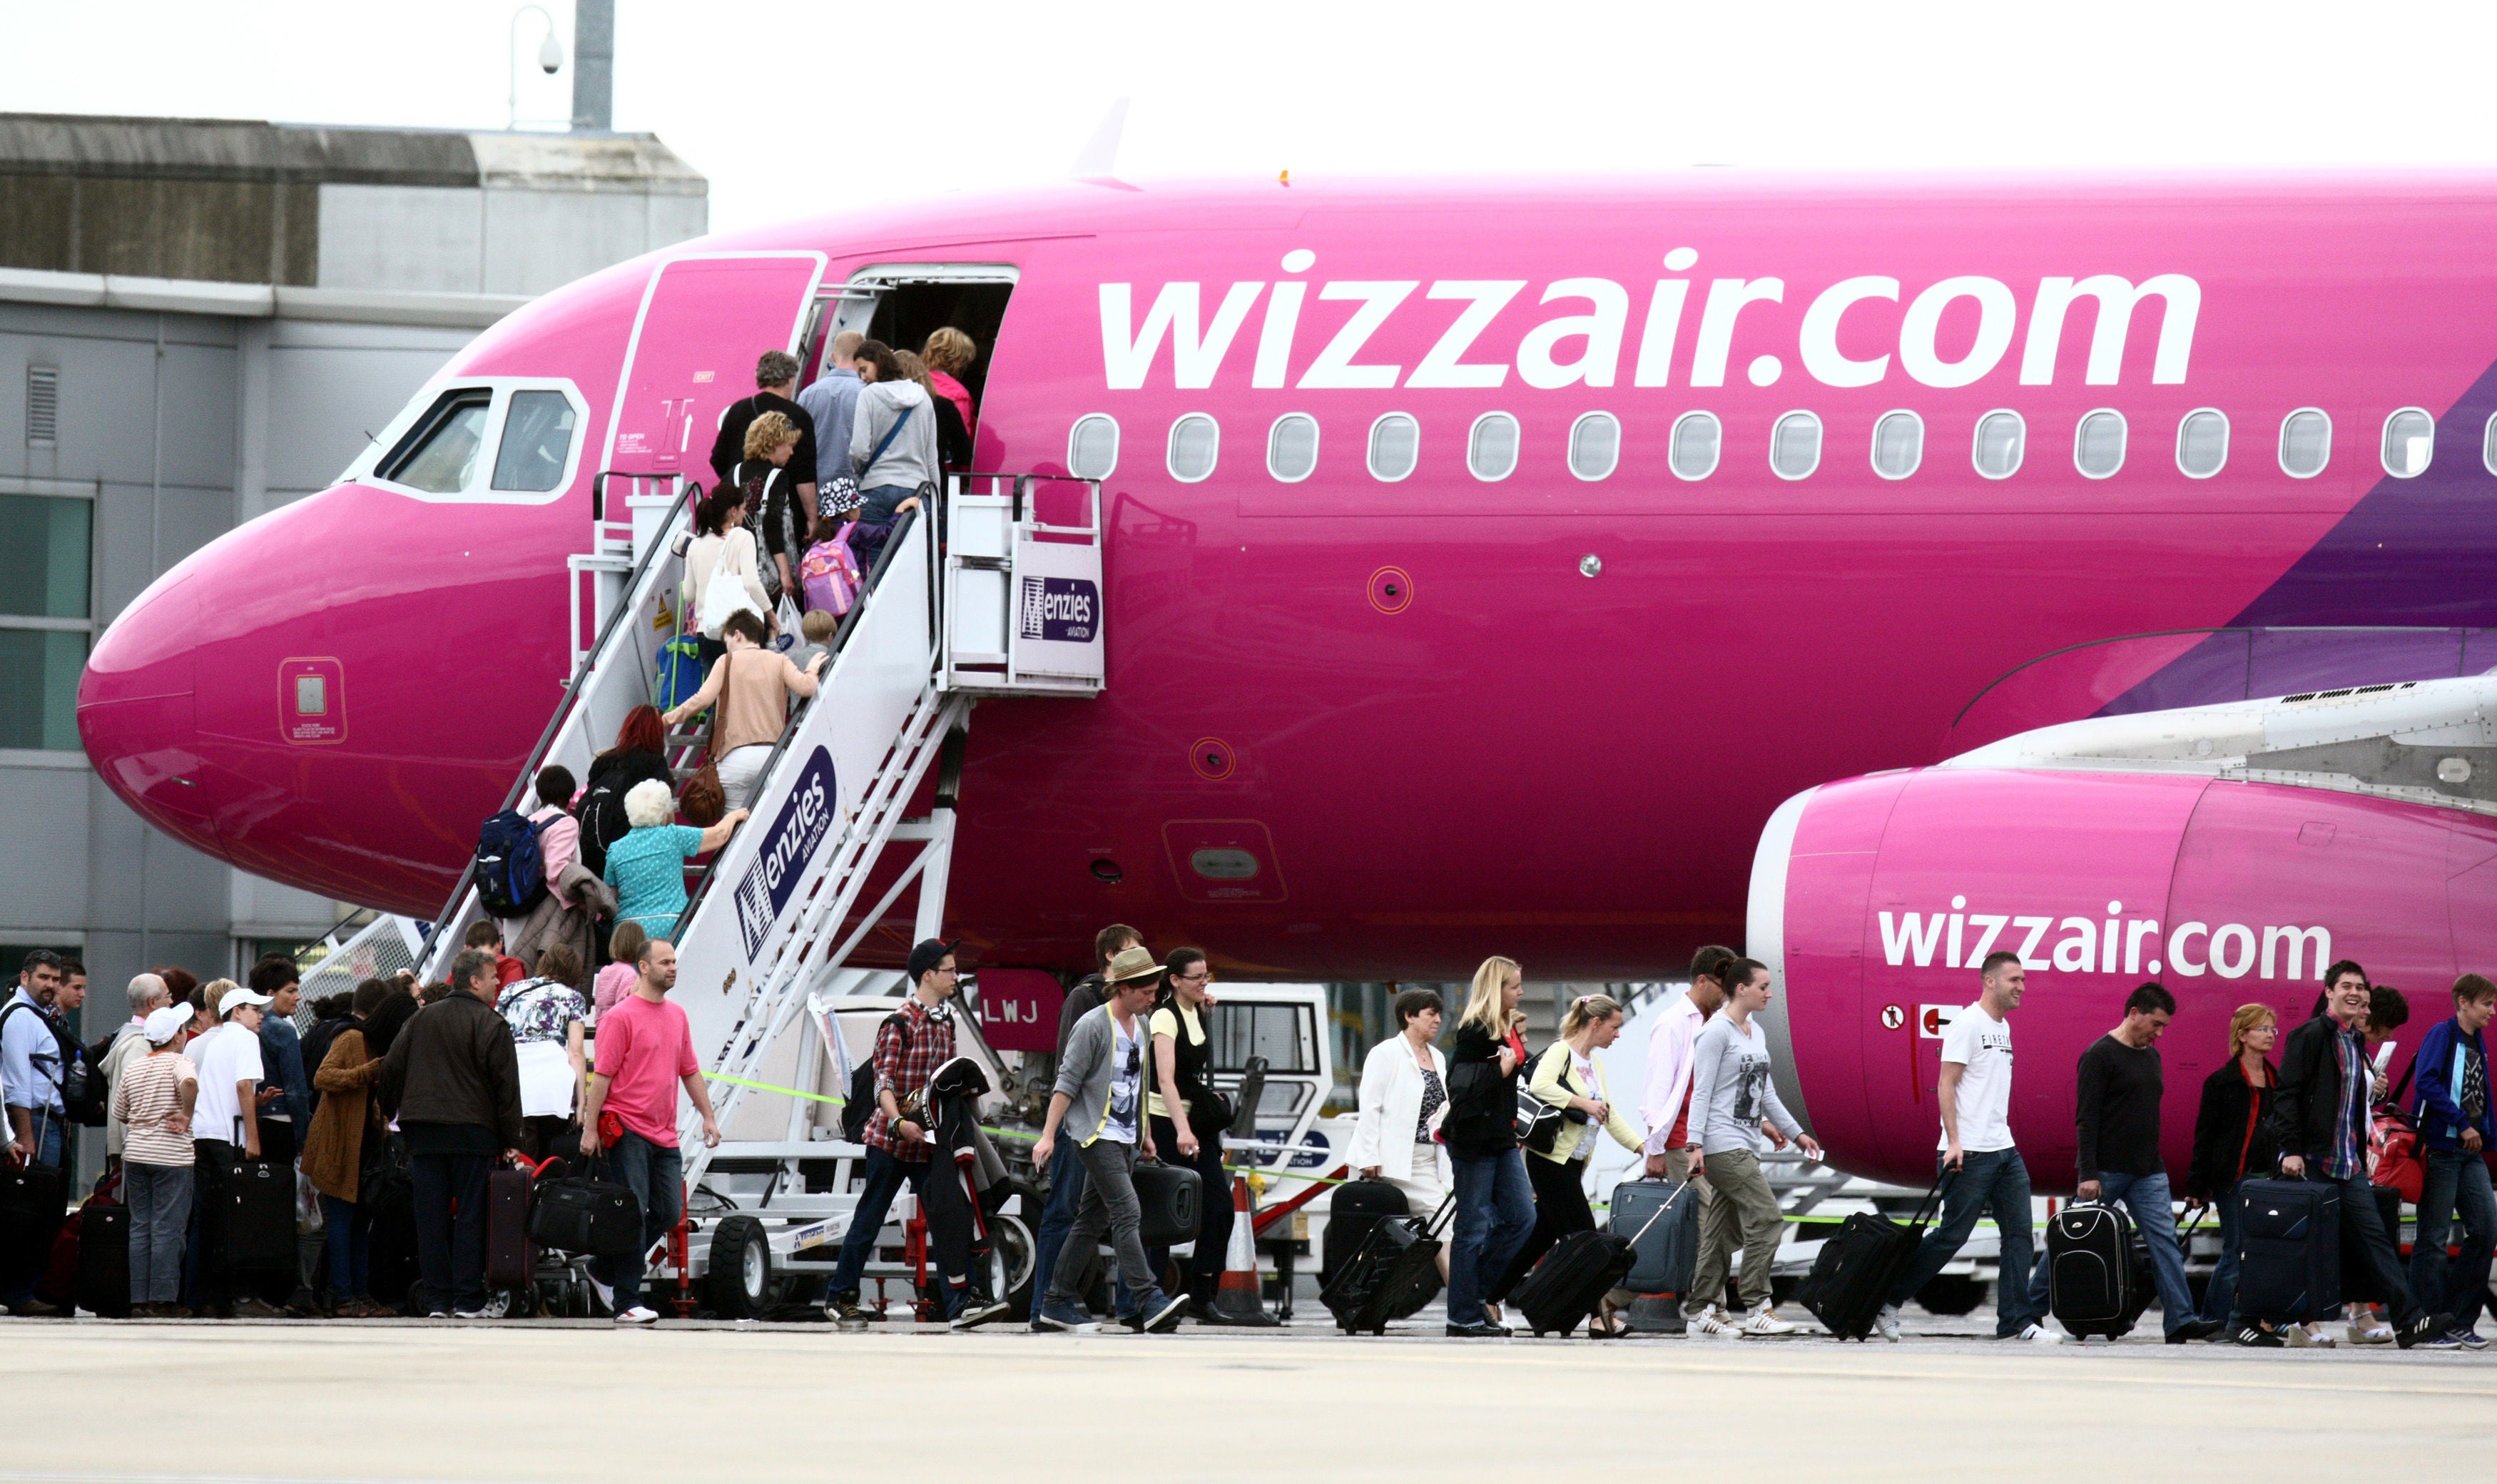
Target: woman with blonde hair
(948, 353)
(1495, 1203)
(2233, 1139)
(769, 481)
(1569, 1077)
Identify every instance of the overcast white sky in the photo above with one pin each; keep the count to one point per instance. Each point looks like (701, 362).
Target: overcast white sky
(803, 108)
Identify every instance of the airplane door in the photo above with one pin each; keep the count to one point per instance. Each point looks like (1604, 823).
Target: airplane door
(702, 322)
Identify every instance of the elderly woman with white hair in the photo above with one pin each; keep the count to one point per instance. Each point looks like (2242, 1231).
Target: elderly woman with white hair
(648, 866)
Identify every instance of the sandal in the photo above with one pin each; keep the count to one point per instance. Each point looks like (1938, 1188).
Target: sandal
(1608, 1325)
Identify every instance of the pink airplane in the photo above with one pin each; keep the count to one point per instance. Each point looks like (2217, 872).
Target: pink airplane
(1487, 561)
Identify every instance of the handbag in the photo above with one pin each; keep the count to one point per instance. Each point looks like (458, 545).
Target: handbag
(703, 800)
(724, 594)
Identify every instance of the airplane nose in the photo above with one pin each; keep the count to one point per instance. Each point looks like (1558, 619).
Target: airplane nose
(136, 711)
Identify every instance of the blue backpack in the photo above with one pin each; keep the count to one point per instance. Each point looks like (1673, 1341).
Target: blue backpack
(680, 671)
(511, 868)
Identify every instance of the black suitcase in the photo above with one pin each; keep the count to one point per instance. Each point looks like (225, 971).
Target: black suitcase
(1852, 1277)
(586, 1216)
(260, 1216)
(2290, 1234)
(2098, 1270)
(104, 1261)
(510, 1261)
(1662, 1262)
(1568, 1283)
(1173, 1205)
(1356, 1207)
(1393, 1275)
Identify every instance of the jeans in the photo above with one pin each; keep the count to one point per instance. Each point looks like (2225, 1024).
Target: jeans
(1495, 1212)
(1994, 1181)
(450, 1228)
(1560, 1209)
(2365, 1246)
(1065, 1196)
(885, 1177)
(1214, 1193)
(656, 1172)
(2219, 1299)
(159, 1197)
(211, 1278)
(1108, 1207)
(2456, 1178)
(349, 1232)
(1743, 1212)
(2145, 1198)
(24, 1265)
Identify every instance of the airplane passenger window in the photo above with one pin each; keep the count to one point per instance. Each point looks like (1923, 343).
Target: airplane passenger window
(439, 454)
(2202, 443)
(1596, 446)
(1395, 445)
(2305, 443)
(1293, 446)
(1794, 445)
(1092, 446)
(2098, 443)
(1491, 449)
(1194, 441)
(537, 442)
(2488, 444)
(2410, 437)
(2001, 439)
(1898, 444)
(1692, 452)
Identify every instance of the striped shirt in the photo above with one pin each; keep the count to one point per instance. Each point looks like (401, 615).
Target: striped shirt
(2350, 1129)
(149, 1094)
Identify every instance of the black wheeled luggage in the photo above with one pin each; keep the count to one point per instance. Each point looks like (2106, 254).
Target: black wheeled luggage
(2290, 1233)
(510, 1259)
(1173, 1205)
(1853, 1274)
(589, 1216)
(260, 1216)
(1393, 1274)
(104, 1261)
(1568, 1283)
(1353, 1211)
(2098, 1270)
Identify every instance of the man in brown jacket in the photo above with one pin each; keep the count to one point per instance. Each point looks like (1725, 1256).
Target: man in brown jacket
(454, 1081)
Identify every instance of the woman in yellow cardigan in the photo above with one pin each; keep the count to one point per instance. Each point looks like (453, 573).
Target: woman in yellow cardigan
(1570, 1077)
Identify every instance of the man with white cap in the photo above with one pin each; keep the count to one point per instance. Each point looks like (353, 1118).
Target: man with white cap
(226, 1120)
(153, 1099)
(149, 993)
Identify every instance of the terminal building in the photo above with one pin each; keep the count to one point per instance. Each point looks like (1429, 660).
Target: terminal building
(202, 320)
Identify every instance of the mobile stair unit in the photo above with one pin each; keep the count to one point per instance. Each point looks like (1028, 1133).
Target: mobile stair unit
(985, 602)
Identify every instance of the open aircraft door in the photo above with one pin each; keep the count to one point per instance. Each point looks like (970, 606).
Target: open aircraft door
(703, 321)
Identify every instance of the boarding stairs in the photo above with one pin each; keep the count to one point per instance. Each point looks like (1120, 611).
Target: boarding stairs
(978, 599)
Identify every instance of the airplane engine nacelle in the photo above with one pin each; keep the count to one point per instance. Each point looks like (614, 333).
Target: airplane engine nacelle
(1875, 899)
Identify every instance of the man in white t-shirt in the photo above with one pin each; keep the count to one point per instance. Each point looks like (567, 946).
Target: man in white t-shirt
(225, 1125)
(1981, 1168)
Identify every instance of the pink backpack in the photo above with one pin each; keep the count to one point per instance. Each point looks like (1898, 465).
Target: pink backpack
(830, 574)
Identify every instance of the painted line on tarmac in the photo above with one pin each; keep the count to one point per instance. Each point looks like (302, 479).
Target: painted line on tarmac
(18, 1476)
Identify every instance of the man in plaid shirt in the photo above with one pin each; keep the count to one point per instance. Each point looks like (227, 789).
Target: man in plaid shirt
(911, 1044)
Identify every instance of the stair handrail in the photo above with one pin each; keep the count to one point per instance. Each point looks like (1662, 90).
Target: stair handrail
(610, 626)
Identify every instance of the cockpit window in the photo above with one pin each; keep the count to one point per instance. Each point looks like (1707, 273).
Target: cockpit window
(439, 454)
(537, 442)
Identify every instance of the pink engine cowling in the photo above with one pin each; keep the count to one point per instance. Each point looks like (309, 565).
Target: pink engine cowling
(1877, 897)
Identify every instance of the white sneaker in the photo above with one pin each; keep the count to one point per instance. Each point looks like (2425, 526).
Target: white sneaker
(1713, 1321)
(1886, 1323)
(638, 1315)
(1764, 1320)
(2039, 1333)
(606, 1292)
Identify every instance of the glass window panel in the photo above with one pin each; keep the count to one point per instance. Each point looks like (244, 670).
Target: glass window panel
(441, 456)
(2305, 443)
(39, 673)
(2202, 443)
(2488, 445)
(1794, 445)
(1283, 1034)
(1092, 446)
(1594, 445)
(2001, 438)
(537, 442)
(1395, 444)
(1293, 446)
(1696, 438)
(2098, 443)
(2410, 438)
(1898, 444)
(47, 551)
(1491, 453)
(1194, 443)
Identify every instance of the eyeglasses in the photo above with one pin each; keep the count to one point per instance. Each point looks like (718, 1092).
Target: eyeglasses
(1199, 977)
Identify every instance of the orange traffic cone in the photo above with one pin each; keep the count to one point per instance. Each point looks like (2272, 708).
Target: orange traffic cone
(1236, 1301)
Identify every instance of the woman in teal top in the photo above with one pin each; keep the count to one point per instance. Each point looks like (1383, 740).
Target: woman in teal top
(648, 866)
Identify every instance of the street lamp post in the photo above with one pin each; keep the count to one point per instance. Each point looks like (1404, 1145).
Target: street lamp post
(550, 56)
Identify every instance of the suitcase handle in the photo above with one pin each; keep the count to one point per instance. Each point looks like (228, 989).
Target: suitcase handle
(1933, 1198)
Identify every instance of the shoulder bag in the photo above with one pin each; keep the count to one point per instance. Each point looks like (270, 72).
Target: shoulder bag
(704, 801)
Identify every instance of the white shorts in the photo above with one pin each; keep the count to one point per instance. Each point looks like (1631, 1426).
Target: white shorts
(1423, 1189)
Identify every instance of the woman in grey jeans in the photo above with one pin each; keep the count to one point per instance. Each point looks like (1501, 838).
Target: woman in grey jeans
(153, 1100)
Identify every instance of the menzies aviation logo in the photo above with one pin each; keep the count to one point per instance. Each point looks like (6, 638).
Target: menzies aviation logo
(805, 818)
(1060, 610)
(2104, 945)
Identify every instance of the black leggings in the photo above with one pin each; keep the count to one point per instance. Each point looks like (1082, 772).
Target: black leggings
(1214, 1193)
(1560, 1209)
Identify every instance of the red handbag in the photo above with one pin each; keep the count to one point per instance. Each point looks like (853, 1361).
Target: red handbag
(2393, 1148)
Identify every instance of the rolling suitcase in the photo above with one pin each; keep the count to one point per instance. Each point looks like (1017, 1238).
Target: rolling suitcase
(2098, 1270)
(1852, 1277)
(1661, 1261)
(104, 1261)
(511, 1261)
(259, 1213)
(590, 1217)
(1355, 1208)
(1172, 1204)
(2290, 1233)
(1568, 1283)
(1393, 1275)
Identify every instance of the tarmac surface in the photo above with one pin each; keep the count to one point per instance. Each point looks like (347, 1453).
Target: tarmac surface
(315, 1403)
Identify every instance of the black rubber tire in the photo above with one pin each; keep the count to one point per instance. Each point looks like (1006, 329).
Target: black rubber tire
(737, 1271)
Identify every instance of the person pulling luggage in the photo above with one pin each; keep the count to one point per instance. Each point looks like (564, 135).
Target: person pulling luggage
(1568, 1078)
(1405, 1084)
(1732, 1096)
(2233, 1138)
(1495, 1207)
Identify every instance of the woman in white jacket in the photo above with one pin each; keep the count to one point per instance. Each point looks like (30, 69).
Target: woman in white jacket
(1403, 1095)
